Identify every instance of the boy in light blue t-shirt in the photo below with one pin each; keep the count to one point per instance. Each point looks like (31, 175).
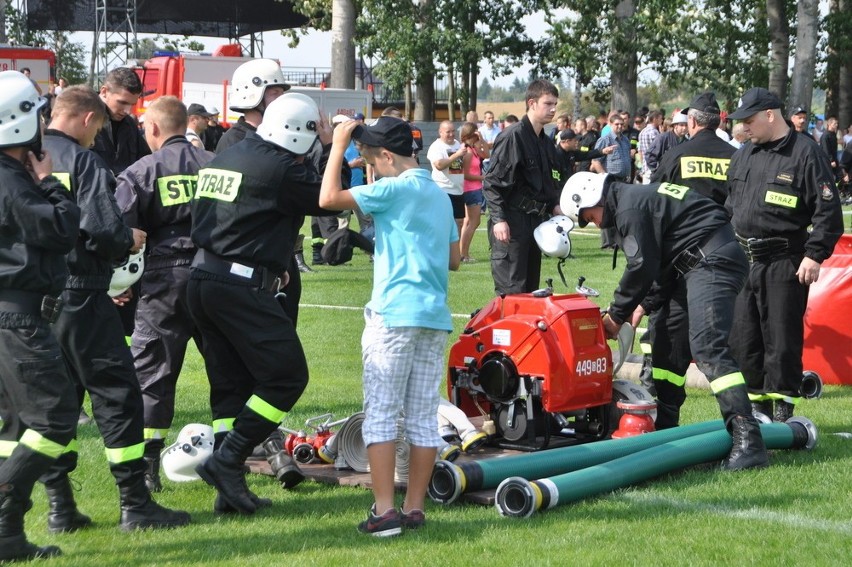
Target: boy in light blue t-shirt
(407, 318)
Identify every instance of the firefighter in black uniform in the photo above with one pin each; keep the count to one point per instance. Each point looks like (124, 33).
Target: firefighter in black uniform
(780, 184)
(667, 229)
(120, 143)
(569, 145)
(249, 206)
(255, 85)
(522, 190)
(89, 327)
(40, 225)
(701, 163)
(155, 195)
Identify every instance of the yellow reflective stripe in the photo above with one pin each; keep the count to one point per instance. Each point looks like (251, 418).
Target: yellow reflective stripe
(220, 184)
(6, 448)
(646, 348)
(149, 433)
(668, 376)
(555, 174)
(758, 397)
(781, 199)
(72, 447)
(128, 340)
(783, 398)
(124, 454)
(223, 425)
(177, 189)
(41, 444)
(705, 167)
(64, 178)
(265, 409)
(722, 383)
(673, 190)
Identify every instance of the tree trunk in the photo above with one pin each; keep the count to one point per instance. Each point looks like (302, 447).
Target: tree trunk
(624, 60)
(832, 66)
(779, 38)
(342, 45)
(474, 84)
(407, 99)
(451, 94)
(804, 66)
(844, 91)
(578, 98)
(3, 37)
(424, 106)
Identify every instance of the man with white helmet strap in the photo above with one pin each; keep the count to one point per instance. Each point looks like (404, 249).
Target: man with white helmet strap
(40, 225)
(255, 85)
(670, 231)
(89, 328)
(248, 209)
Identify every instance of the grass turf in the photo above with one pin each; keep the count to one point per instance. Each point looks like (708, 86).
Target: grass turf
(795, 512)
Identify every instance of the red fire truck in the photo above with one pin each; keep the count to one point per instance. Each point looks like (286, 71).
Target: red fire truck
(204, 79)
(41, 63)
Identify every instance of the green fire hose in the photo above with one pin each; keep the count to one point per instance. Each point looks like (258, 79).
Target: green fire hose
(520, 498)
(450, 480)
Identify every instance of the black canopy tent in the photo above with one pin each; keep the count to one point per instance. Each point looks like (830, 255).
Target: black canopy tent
(211, 18)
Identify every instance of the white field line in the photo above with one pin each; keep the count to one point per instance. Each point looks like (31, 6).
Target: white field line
(352, 308)
(752, 513)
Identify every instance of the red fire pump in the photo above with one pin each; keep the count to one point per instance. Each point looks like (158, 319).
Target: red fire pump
(537, 365)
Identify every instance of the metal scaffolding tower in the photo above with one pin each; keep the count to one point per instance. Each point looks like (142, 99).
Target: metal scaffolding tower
(115, 36)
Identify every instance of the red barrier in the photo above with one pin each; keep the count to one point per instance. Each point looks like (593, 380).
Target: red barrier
(828, 332)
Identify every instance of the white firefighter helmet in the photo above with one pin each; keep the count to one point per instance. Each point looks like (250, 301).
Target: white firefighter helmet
(250, 81)
(20, 106)
(128, 273)
(582, 190)
(291, 122)
(193, 446)
(552, 236)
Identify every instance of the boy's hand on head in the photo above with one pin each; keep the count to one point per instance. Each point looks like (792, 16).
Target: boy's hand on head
(343, 132)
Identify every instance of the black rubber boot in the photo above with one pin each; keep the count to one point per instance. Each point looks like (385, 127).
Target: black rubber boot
(670, 398)
(284, 467)
(221, 506)
(63, 515)
(301, 264)
(763, 406)
(13, 542)
(317, 259)
(748, 450)
(139, 511)
(783, 411)
(152, 474)
(224, 471)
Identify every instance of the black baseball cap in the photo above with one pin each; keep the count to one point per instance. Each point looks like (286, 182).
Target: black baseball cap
(567, 134)
(754, 100)
(705, 102)
(392, 134)
(196, 109)
(798, 110)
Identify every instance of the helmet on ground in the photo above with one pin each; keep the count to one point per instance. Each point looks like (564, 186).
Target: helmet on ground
(127, 274)
(291, 122)
(582, 190)
(251, 80)
(552, 236)
(20, 105)
(193, 446)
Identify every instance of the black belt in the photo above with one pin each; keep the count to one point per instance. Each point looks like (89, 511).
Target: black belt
(764, 249)
(530, 206)
(169, 260)
(695, 255)
(30, 303)
(238, 272)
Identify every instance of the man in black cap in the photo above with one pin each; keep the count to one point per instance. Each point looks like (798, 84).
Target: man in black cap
(700, 163)
(780, 184)
(568, 144)
(197, 124)
(799, 118)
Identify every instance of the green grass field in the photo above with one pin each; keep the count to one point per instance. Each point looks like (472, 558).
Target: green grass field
(796, 512)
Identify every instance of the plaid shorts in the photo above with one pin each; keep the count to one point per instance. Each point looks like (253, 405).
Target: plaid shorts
(403, 368)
